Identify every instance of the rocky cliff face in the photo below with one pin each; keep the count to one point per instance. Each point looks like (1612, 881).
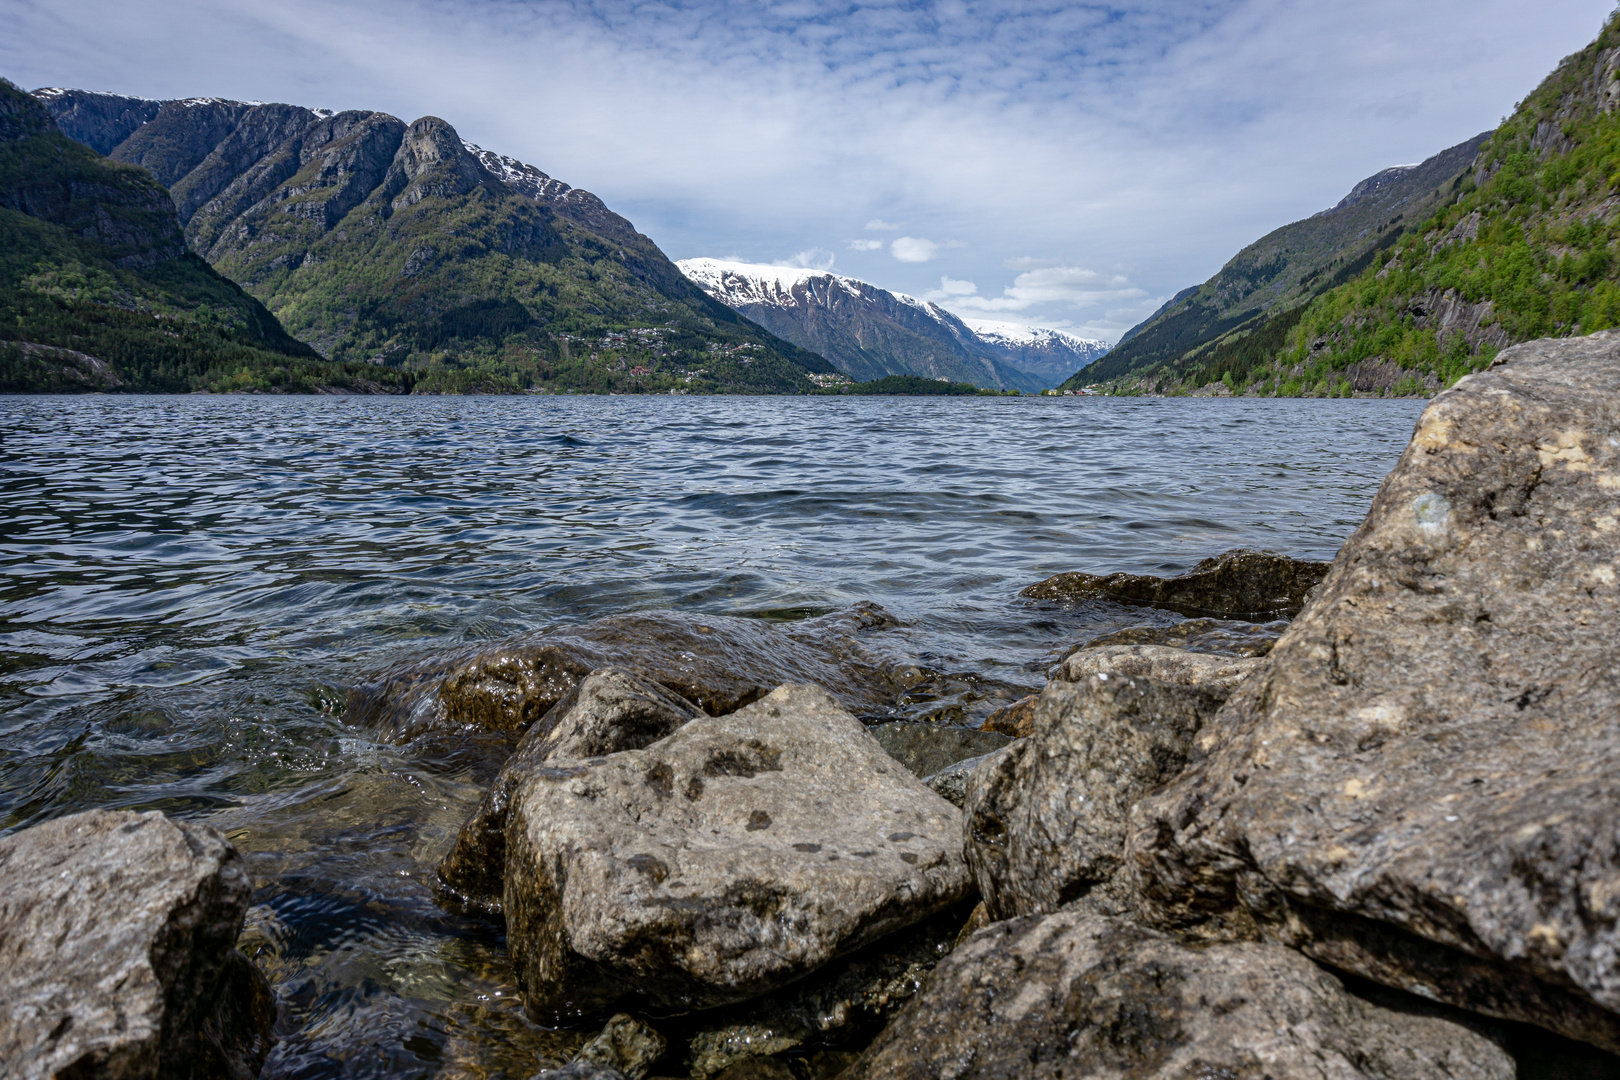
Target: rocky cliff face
(406, 246)
(866, 332)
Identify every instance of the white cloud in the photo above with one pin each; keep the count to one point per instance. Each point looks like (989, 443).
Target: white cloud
(912, 249)
(866, 245)
(811, 259)
(1072, 287)
(879, 225)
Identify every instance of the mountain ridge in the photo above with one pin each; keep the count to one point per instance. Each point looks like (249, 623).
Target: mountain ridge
(404, 246)
(869, 333)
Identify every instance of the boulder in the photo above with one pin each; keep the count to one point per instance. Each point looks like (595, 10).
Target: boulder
(732, 857)
(117, 952)
(1245, 583)
(608, 711)
(1159, 663)
(626, 1045)
(1046, 818)
(1421, 784)
(719, 663)
(843, 1004)
(926, 748)
(1072, 995)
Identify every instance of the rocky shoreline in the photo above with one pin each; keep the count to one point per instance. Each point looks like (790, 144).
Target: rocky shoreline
(1347, 820)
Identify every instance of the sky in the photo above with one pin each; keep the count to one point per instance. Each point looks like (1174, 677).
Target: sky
(1055, 164)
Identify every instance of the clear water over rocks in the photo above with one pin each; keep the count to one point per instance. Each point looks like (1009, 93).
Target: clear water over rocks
(191, 585)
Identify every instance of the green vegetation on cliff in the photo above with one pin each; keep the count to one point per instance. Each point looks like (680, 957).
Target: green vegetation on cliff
(1523, 247)
(97, 291)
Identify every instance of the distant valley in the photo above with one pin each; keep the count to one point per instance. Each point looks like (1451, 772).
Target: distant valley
(867, 332)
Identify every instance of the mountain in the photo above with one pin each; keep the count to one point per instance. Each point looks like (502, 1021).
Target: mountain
(1285, 268)
(868, 332)
(98, 291)
(1522, 246)
(1051, 355)
(403, 246)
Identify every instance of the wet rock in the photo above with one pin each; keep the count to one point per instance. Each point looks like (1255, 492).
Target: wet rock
(117, 957)
(950, 783)
(717, 662)
(1421, 784)
(627, 1045)
(608, 711)
(843, 1004)
(730, 858)
(1241, 582)
(925, 749)
(1046, 818)
(1012, 720)
(1090, 996)
(1160, 663)
(1223, 637)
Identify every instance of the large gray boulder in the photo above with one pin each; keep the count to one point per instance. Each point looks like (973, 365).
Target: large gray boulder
(608, 711)
(719, 663)
(117, 952)
(1071, 995)
(1241, 583)
(1045, 819)
(1422, 784)
(732, 857)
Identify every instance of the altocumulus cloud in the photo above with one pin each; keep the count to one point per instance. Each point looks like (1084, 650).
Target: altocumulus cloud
(1152, 138)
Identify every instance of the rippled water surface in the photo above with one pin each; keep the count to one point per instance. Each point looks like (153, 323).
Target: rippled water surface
(190, 584)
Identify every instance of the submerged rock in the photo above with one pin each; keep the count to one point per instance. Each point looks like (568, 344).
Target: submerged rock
(117, 952)
(1046, 818)
(1241, 582)
(719, 663)
(608, 711)
(1070, 995)
(732, 857)
(1160, 663)
(925, 749)
(626, 1045)
(1421, 785)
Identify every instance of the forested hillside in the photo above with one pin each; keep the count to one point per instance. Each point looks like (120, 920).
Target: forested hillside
(1523, 249)
(98, 292)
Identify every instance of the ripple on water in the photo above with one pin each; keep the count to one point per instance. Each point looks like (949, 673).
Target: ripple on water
(190, 584)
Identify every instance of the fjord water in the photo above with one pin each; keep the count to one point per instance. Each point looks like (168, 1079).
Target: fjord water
(190, 584)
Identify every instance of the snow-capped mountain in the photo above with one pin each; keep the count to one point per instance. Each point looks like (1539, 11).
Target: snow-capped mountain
(1052, 354)
(868, 332)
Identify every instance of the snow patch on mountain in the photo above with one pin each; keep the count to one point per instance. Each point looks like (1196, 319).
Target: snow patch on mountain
(1017, 335)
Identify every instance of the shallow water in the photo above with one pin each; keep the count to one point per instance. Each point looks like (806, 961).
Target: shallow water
(190, 584)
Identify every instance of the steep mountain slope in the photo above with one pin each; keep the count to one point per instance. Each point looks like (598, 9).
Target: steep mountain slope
(1525, 249)
(97, 290)
(1286, 267)
(865, 331)
(1052, 355)
(404, 246)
